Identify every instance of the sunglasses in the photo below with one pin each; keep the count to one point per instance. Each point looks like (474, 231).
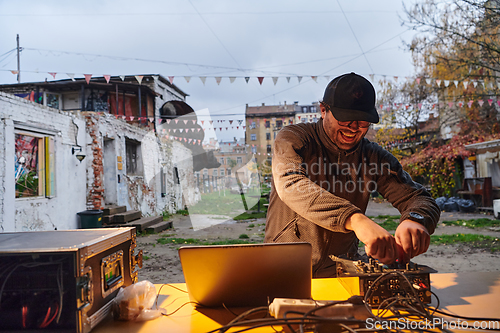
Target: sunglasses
(361, 123)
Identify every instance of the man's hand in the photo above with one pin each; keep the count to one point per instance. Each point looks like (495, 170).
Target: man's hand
(378, 242)
(413, 238)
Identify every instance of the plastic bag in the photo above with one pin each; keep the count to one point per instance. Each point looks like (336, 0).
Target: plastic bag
(135, 302)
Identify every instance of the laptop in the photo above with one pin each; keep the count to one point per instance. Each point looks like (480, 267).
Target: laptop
(246, 274)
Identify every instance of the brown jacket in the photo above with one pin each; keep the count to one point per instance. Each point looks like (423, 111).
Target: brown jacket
(316, 187)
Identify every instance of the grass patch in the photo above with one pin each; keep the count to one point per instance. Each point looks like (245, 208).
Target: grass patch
(249, 216)
(388, 222)
(474, 223)
(220, 203)
(472, 240)
(146, 257)
(193, 241)
(251, 225)
(243, 236)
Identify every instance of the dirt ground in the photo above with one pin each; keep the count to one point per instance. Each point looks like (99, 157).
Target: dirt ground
(162, 265)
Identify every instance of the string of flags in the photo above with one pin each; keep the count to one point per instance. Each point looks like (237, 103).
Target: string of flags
(450, 104)
(490, 83)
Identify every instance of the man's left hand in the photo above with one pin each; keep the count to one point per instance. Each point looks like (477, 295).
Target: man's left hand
(413, 238)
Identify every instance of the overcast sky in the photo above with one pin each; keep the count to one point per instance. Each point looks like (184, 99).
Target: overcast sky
(209, 38)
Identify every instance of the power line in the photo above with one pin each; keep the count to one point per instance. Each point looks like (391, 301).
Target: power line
(356, 38)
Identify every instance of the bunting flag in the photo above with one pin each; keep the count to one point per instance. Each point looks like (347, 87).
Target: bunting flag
(218, 79)
(14, 72)
(107, 78)
(53, 75)
(418, 80)
(71, 76)
(203, 79)
(247, 78)
(171, 79)
(122, 77)
(260, 78)
(139, 78)
(288, 79)
(187, 78)
(87, 77)
(275, 80)
(315, 78)
(299, 78)
(232, 78)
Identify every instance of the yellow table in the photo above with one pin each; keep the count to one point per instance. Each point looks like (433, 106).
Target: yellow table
(467, 294)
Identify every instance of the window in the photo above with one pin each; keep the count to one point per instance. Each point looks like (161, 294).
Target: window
(252, 125)
(239, 160)
(229, 172)
(275, 135)
(268, 124)
(214, 173)
(222, 172)
(268, 148)
(34, 165)
(268, 136)
(313, 109)
(134, 158)
(222, 160)
(254, 149)
(253, 137)
(279, 123)
(205, 172)
(304, 109)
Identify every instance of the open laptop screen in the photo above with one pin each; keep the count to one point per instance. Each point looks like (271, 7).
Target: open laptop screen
(247, 274)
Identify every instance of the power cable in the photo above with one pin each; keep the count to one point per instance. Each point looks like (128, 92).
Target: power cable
(354, 34)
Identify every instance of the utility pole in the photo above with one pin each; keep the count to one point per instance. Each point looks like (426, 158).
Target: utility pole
(18, 61)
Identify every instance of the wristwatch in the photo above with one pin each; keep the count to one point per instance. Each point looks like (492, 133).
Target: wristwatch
(416, 217)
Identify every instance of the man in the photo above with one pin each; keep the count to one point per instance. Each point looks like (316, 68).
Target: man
(323, 174)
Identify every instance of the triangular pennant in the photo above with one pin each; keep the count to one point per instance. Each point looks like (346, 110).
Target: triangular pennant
(218, 79)
(211, 122)
(446, 83)
(168, 121)
(498, 102)
(107, 78)
(245, 126)
(15, 72)
(460, 104)
(232, 78)
(194, 121)
(428, 81)
(187, 78)
(299, 78)
(71, 76)
(465, 84)
(151, 120)
(438, 82)
(202, 122)
(171, 79)
(275, 79)
(181, 129)
(395, 79)
(203, 79)
(199, 129)
(469, 104)
(328, 78)
(53, 74)
(260, 78)
(480, 102)
(87, 77)
(185, 121)
(456, 83)
(175, 130)
(122, 77)
(247, 78)
(230, 122)
(315, 78)
(288, 79)
(156, 78)
(176, 120)
(474, 83)
(450, 104)
(490, 101)
(418, 80)
(139, 78)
